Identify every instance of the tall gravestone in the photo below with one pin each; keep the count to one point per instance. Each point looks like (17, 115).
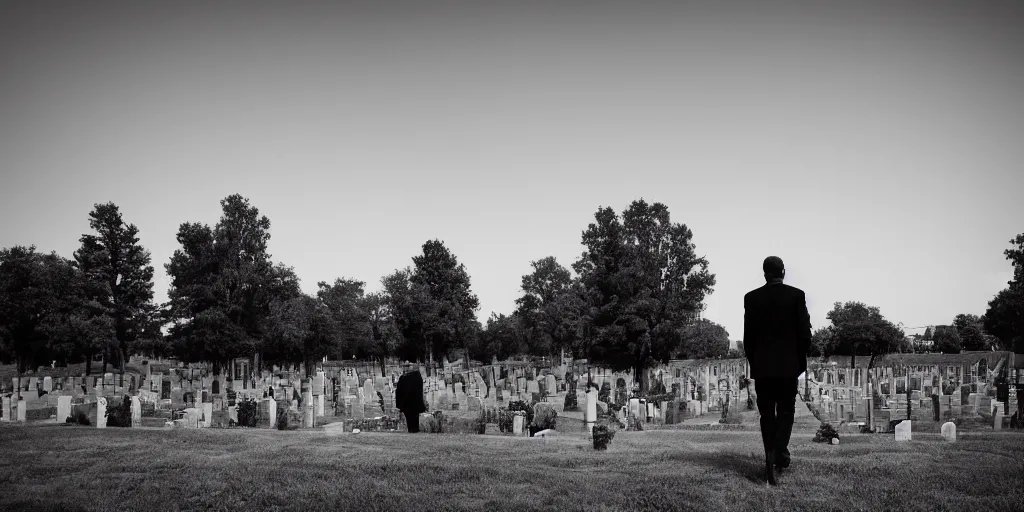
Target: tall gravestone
(591, 411)
(136, 408)
(101, 412)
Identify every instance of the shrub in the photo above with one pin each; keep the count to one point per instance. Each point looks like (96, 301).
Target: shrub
(120, 415)
(602, 436)
(571, 402)
(825, 434)
(78, 417)
(520, 405)
(248, 413)
(545, 417)
(605, 394)
(504, 420)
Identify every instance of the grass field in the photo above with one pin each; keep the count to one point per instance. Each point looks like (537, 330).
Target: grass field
(77, 468)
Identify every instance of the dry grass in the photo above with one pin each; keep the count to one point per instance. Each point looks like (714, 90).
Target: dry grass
(77, 468)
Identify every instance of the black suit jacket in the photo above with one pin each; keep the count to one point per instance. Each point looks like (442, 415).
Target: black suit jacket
(776, 331)
(409, 393)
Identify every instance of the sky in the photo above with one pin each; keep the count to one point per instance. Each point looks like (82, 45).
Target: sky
(877, 147)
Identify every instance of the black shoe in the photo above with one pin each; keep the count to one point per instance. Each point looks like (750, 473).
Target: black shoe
(769, 471)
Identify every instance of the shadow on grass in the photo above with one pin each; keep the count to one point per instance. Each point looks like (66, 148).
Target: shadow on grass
(749, 466)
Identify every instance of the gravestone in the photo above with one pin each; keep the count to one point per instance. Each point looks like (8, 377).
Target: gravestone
(591, 410)
(307, 409)
(269, 413)
(63, 408)
(207, 414)
(22, 412)
(101, 412)
(949, 431)
(48, 384)
(136, 411)
(518, 421)
(902, 431)
(5, 404)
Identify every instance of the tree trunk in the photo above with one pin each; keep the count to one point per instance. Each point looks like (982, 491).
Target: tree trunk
(640, 377)
(106, 354)
(88, 363)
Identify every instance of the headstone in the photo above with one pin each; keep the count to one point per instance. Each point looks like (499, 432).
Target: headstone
(22, 411)
(902, 430)
(321, 405)
(101, 412)
(270, 407)
(591, 411)
(997, 419)
(319, 384)
(5, 403)
(136, 412)
(307, 409)
(48, 384)
(63, 408)
(517, 424)
(207, 414)
(949, 431)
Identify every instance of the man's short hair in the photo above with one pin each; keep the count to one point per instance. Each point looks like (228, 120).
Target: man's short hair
(773, 266)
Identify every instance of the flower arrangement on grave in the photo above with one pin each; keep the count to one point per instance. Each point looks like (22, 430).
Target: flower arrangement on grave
(523, 407)
(825, 434)
(602, 435)
(544, 417)
(121, 414)
(248, 413)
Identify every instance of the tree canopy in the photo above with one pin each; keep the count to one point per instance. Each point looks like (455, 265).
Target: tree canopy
(857, 330)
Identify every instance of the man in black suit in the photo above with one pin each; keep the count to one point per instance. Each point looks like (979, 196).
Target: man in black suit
(409, 398)
(776, 337)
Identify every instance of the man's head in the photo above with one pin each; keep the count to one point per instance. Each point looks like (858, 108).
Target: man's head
(773, 268)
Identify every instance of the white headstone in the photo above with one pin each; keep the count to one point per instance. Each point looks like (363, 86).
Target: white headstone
(591, 410)
(271, 412)
(63, 408)
(207, 414)
(48, 384)
(949, 431)
(5, 405)
(22, 411)
(321, 405)
(307, 409)
(101, 412)
(318, 383)
(136, 412)
(902, 430)
(517, 425)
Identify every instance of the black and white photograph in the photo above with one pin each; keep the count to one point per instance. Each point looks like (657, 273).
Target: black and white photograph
(511, 255)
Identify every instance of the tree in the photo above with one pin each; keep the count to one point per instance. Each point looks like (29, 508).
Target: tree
(412, 308)
(947, 340)
(502, 337)
(36, 290)
(120, 279)
(450, 321)
(350, 319)
(644, 284)
(222, 286)
(1005, 316)
(736, 353)
(705, 340)
(822, 342)
(860, 330)
(929, 334)
(383, 329)
(539, 308)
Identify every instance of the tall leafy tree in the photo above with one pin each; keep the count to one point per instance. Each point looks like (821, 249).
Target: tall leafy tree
(540, 307)
(351, 321)
(451, 321)
(644, 283)
(223, 283)
(120, 278)
(971, 329)
(502, 337)
(705, 340)
(947, 340)
(1004, 318)
(413, 309)
(36, 292)
(860, 330)
(384, 336)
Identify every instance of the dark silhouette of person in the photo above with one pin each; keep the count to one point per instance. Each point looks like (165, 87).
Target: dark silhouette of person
(776, 338)
(409, 399)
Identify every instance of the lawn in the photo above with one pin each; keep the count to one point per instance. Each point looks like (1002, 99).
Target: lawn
(77, 468)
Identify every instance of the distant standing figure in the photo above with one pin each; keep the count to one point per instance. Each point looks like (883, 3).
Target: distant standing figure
(409, 399)
(776, 338)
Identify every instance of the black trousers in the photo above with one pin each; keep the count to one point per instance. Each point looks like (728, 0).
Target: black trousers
(776, 401)
(412, 420)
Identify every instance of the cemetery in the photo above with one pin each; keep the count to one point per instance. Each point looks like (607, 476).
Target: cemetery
(973, 389)
(496, 426)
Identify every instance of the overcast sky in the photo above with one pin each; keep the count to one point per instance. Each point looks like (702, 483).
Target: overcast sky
(877, 150)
